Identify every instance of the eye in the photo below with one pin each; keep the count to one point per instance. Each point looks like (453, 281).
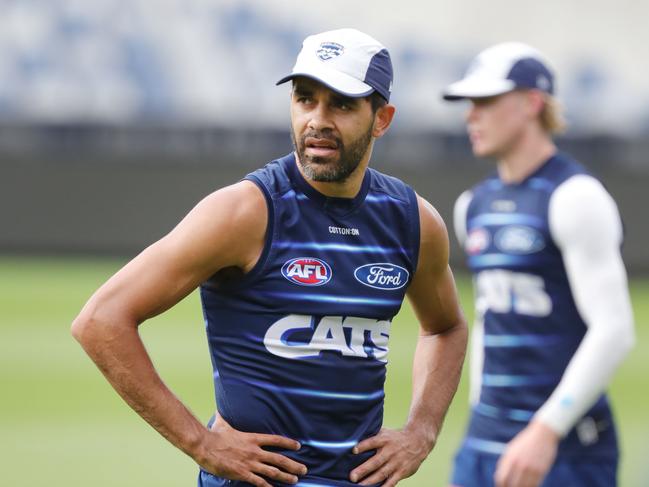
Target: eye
(484, 101)
(302, 97)
(344, 105)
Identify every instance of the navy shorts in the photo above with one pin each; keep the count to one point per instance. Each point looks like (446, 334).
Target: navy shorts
(207, 480)
(476, 469)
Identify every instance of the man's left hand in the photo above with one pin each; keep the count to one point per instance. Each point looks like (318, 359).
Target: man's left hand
(398, 455)
(528, 457)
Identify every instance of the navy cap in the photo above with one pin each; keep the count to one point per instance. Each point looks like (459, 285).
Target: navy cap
(500, 69)
(346, 61)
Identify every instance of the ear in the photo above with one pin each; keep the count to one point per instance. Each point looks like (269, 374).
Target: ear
(383, 119)
(536, 102)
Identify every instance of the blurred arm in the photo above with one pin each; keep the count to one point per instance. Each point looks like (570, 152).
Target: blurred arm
(586, 226)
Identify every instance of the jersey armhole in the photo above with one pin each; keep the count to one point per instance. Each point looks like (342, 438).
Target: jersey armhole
(415, 231)
(260, 265)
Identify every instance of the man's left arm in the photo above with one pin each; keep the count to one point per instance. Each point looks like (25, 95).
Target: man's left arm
(439, 355)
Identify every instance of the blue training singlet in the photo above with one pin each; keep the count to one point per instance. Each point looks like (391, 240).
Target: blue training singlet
(299, 344)
(531, 324)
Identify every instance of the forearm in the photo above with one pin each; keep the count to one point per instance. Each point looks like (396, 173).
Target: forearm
(585, 379)
(436, 373)
(119, 353)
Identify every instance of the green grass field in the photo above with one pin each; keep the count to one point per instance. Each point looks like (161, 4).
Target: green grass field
(62, 425)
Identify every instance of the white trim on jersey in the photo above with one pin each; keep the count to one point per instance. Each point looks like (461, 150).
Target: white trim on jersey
(476, 363)
(585, 225)
(476, 360)
(459, 215)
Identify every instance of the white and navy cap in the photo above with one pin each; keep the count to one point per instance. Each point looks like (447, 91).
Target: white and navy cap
(346, 61)
(502, 68)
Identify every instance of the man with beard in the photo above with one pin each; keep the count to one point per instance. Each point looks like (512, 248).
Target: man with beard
(301, 266)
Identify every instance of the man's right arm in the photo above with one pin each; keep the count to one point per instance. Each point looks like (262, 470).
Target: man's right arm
(226, 229)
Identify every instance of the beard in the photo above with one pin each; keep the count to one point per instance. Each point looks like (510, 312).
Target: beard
(330, 170)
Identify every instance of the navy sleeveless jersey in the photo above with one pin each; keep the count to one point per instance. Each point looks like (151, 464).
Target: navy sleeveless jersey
(531, 325)
(299, 344)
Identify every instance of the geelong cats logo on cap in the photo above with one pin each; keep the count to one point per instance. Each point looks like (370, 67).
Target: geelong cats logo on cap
(329, 50)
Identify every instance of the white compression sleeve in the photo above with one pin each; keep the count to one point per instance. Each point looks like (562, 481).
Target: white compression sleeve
(585, 224)
(477, 331)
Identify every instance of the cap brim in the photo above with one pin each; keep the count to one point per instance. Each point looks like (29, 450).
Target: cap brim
(477, 87)
(334, 80)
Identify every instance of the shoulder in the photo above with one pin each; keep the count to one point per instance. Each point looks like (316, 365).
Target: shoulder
(580, 196)
(558, 169)
(434, 245)
(226, 228)
(431, 221)
(273, 178)
(241, 202)
(487, 185)
(580, 186)
(391, 186)
(580, 208)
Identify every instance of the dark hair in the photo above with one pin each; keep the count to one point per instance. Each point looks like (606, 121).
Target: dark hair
(377, 101)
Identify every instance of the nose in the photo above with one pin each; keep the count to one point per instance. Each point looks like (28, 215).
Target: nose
(472, 112)
(320, 117)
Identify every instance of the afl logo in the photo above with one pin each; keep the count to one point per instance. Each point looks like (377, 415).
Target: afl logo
(307, 271)
(477, 241)
(329, 50)
(382, 276)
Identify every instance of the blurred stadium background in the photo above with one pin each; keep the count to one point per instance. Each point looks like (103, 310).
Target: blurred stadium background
(117, 117)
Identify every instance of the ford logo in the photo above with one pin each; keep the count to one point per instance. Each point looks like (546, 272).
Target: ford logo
(382, 276)
(519, 240)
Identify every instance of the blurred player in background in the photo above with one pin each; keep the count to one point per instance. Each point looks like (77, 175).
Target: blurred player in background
(542, 237)
(302, 267)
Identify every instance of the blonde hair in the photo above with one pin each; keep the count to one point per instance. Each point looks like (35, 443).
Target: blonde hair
(551, 116)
